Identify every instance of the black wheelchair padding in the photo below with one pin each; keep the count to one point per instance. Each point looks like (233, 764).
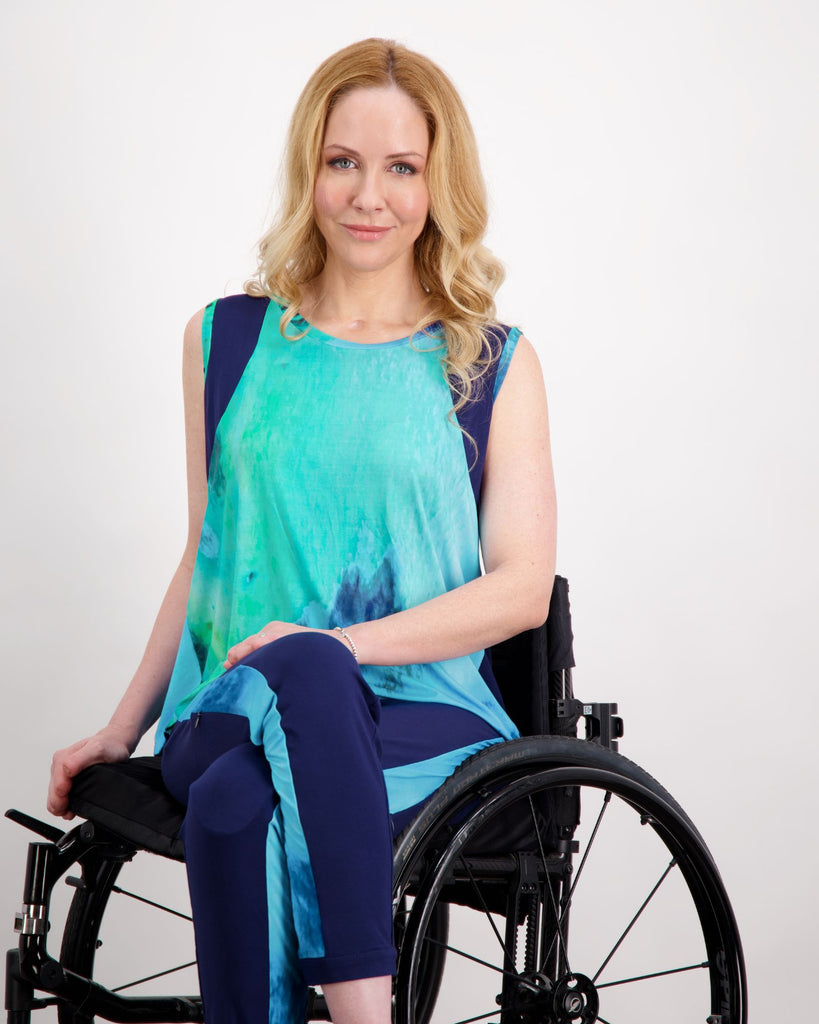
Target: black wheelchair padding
(130, 799)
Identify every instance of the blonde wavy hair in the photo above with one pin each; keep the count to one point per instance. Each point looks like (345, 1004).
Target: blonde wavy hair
(459, 274)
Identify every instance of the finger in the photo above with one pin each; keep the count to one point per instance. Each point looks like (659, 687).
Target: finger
(58, 790)
(96, 751)
(246, 647)
(72, 764)
(60, 809)
(57, 802)
(252, 643)
(75, 746)
(60, 758)
(58, 774)
(61, 755)
(237, 653)
(61, 784)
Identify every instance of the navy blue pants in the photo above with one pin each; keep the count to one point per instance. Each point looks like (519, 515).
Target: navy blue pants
(284, 765)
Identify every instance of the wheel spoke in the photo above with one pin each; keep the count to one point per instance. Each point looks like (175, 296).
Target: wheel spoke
(566, 902)
(151, 977)
(151, 903)
(634, 919)
(468, 956)
(559, 936)
(482, 1016)
(655, 974)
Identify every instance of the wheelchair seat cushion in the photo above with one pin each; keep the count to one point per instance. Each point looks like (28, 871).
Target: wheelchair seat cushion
(129, 799)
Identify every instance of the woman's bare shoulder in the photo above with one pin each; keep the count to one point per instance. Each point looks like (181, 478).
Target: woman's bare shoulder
(193, 328)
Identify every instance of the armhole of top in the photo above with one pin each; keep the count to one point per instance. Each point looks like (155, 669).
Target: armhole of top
(505, 356)
(207, 332)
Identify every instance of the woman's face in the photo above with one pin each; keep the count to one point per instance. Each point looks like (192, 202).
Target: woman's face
(371, 199)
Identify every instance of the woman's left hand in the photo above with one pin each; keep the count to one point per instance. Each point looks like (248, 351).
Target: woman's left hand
(267, 634)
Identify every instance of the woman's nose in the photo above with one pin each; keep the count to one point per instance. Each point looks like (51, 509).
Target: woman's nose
(369, 194)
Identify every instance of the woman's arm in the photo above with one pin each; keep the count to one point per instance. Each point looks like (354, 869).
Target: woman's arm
(142, 701)
(518, 528)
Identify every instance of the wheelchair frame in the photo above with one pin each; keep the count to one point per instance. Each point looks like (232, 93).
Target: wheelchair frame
(499, 837)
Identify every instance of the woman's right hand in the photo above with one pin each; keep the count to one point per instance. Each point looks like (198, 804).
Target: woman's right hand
(102, 748)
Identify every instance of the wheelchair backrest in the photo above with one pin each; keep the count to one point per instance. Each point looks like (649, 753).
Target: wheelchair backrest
(534, 668)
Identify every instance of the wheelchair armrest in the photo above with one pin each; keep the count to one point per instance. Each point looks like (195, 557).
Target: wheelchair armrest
(129, 799)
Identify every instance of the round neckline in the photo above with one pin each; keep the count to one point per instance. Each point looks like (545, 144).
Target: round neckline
(315, 332)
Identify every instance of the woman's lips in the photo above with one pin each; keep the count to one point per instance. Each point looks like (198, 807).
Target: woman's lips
(365, 232)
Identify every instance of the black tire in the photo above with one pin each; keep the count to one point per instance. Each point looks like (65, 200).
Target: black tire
(433, 956)
(451, 848)
(82, 925)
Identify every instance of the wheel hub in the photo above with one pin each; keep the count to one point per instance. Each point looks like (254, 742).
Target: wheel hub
(574, 1000)
(570, 1000)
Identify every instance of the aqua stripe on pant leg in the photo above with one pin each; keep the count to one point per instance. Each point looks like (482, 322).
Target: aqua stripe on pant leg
(288, 991)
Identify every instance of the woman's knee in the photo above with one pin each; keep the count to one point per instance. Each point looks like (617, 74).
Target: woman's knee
(315, 671)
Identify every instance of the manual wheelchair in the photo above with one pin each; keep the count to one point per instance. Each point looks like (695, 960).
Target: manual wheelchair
(487, 880)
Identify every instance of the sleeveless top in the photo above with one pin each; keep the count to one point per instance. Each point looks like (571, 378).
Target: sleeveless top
(340, 489)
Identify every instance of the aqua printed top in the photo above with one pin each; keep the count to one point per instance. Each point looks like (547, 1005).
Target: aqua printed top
(340, 489)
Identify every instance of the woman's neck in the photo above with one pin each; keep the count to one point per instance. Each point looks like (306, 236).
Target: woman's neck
(364, 307)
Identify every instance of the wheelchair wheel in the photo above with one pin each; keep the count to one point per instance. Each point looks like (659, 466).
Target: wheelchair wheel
(146, 920)
(578, 891)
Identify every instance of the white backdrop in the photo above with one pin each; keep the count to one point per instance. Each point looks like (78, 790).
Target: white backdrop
(653, 171)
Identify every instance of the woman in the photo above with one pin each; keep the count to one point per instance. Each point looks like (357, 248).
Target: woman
(365, 434)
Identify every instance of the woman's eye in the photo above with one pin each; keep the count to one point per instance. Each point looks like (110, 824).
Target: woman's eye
(344, 163)
(403, 169)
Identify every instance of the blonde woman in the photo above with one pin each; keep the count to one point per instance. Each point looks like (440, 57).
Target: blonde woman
(361, 431)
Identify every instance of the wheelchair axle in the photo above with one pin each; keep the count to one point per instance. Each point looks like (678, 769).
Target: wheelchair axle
(537, 1000)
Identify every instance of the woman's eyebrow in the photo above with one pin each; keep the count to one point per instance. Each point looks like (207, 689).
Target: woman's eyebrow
(390, 156)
